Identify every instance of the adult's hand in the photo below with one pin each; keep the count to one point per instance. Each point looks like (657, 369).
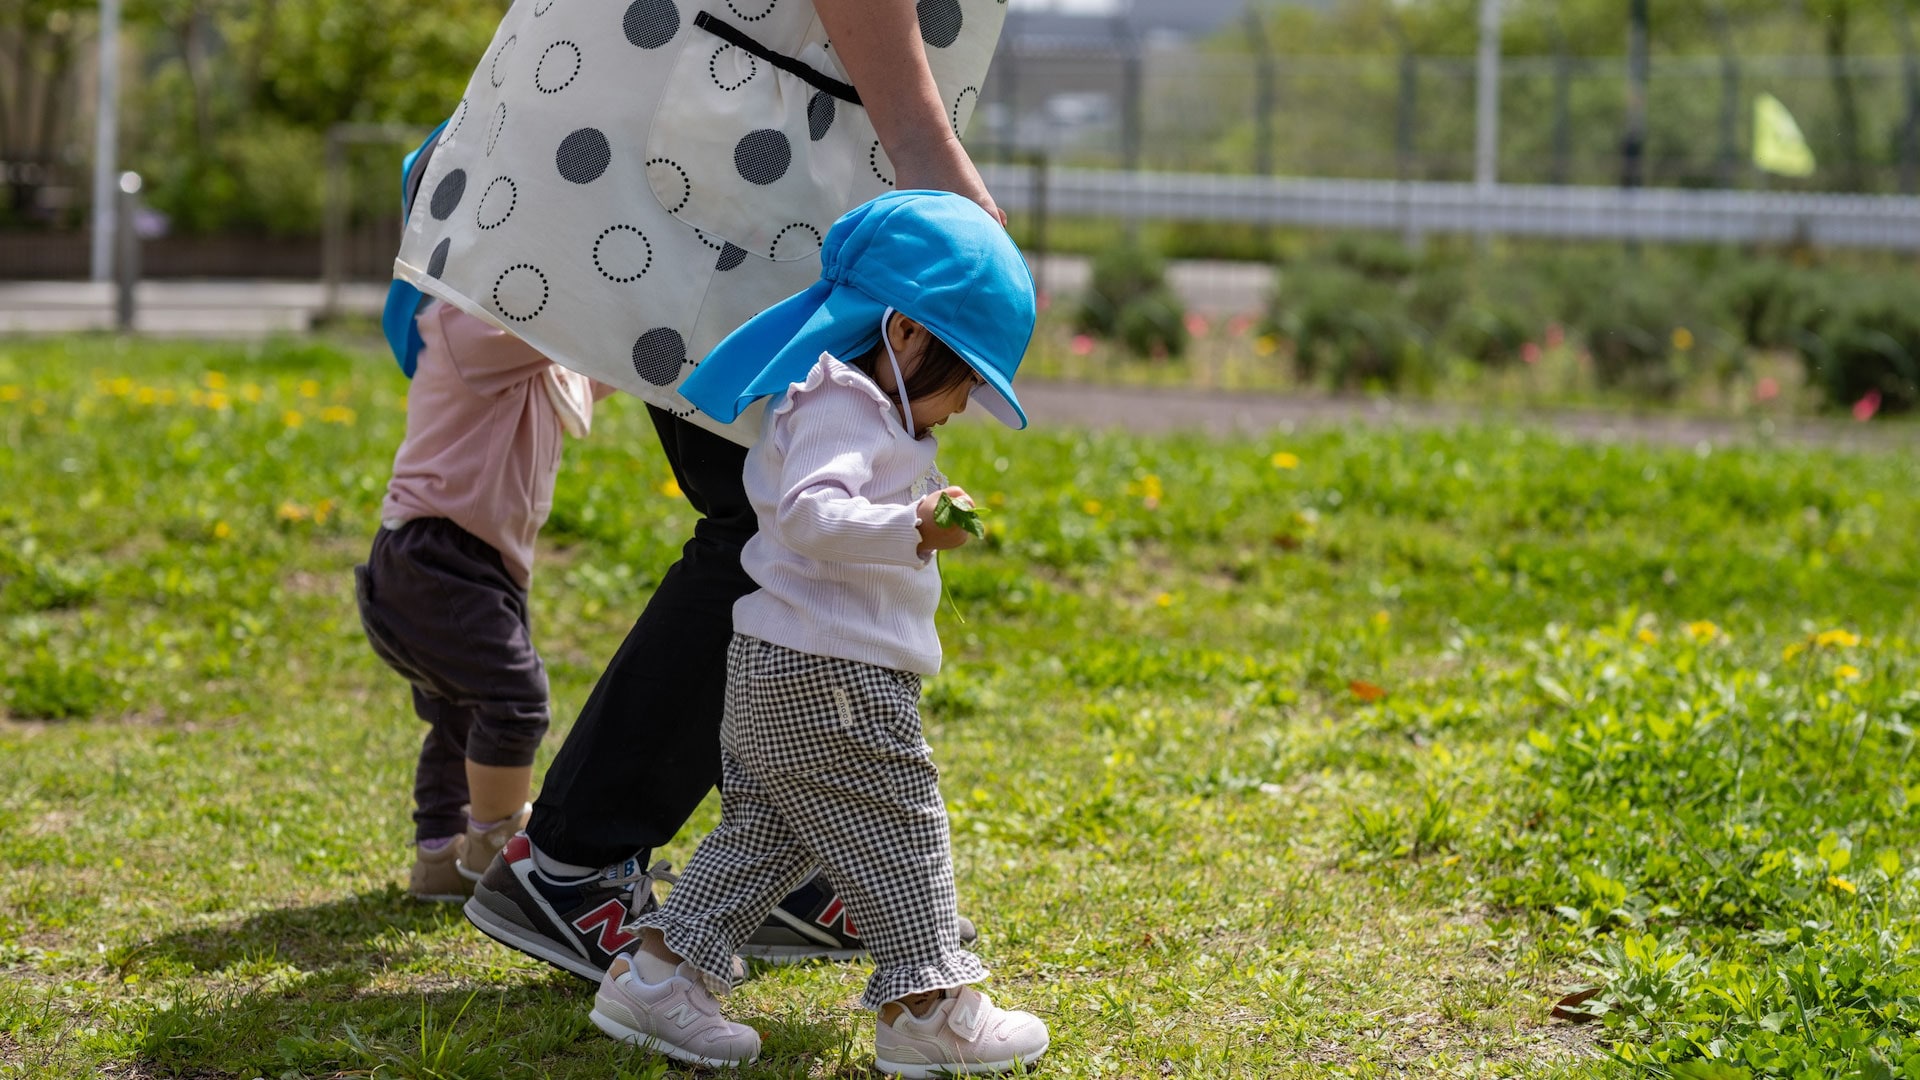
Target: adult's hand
(878, 42)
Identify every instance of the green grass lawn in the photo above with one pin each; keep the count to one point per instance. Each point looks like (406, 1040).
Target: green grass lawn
(1344, 750)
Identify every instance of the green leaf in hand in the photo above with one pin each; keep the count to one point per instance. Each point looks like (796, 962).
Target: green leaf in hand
(949, 512)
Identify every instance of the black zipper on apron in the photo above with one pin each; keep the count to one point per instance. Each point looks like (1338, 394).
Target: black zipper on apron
(736, 37)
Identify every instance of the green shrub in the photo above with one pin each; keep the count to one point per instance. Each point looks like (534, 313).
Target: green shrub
(1863, 339)
(1758, 302)
(1128, 299)
(1374, 257)
(1488, 332)
(1347, 329)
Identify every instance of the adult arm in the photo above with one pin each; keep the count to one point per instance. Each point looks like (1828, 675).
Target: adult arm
(878, 42)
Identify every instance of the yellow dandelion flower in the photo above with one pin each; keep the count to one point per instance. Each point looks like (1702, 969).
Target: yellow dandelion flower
(120, 387)
(1793, 650)
(1091, 506)
(1265, 344)
(218, 400)
(215, 381)
(321, 510)
(292, 419)
(670, 488)
(1703, 631)
(1682, 339)
(1284, 460)
(11, 393)
(1842, 884)
(221, 530)
(1847, 672)
(1382, 617)
(146, 395)
(251, 393)
(291, 511)
(337, 414)
(1845, 639)
(1164, 599)
(1647, 636)
(309, 388)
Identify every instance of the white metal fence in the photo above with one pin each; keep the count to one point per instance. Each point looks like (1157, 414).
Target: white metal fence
(1418, 209)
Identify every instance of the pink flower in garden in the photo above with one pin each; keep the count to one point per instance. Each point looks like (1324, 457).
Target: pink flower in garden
(1197, 324)
(1864, 409)
(1082, 345)
(1239, 325)
(1042, 301)
(1530, 352)
(1556, 335)
(1766, 389)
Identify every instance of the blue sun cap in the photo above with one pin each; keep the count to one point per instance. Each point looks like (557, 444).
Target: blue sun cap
(934, 256)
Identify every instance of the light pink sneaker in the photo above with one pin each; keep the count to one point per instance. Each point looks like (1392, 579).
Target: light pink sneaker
(964, 1033)
(678, 1018)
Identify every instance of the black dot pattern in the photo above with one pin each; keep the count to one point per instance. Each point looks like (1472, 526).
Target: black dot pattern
(558, 67)
(971, 93)
(730, 256)
(496, 203)
(583, 156)
(437, 264)
(765, 10)
(459, 114)
(820, 110)
(762, 156)
(447, 193)
(499, 125)
(659, 354)
(939, 22)
(713, 69)
(873, 162)
(622, 253)
(545, 6)
(514, 292)
(795, 241)
(663, 183)
(650, 24)
(498, 73)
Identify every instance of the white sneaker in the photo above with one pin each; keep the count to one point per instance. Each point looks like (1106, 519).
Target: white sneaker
(679, 1018)
(964, 1033)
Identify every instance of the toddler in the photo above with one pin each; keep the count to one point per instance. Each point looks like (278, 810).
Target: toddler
(924, 304)
(443, 595)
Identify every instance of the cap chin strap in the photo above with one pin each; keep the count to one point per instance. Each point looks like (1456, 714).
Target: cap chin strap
(899, 380)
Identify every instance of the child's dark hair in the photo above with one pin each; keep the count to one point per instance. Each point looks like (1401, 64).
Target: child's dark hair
(940, 368)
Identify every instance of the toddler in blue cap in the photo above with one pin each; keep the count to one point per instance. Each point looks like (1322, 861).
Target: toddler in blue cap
(923, 305)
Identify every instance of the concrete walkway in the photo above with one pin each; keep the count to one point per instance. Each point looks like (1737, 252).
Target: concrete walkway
(259, 309)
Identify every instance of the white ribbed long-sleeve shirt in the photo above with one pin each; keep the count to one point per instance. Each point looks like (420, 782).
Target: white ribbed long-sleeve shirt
(834, 481)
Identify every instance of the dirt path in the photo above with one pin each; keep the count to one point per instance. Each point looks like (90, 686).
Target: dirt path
(1166, 409)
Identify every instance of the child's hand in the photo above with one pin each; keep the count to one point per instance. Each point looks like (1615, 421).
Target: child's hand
(934, 537)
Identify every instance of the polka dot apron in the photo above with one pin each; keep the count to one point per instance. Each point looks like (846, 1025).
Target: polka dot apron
(625, 183)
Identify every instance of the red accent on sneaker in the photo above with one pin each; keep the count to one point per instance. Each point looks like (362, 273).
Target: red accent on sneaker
(607, 919)
(519, 847)
(835, 911)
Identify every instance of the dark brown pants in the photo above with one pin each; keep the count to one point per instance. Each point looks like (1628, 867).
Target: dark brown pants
(440, 608)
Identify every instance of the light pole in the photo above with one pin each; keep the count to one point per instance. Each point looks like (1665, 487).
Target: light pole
(106, 139)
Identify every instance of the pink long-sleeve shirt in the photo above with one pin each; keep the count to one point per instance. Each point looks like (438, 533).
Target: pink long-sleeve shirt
(483, 436)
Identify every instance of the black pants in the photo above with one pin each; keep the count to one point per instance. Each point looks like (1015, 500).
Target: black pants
(646, 747)
(440, 608)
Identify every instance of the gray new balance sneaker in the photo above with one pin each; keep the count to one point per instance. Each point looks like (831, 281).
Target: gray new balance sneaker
(964, 1033)
(678, 1018)
(812, 923)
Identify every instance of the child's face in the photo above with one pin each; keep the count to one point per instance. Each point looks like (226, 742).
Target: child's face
(910, 341)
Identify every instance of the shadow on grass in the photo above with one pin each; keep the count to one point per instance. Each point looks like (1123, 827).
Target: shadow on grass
(323, 990)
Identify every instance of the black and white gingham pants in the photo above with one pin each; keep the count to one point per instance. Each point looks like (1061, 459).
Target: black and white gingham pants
(822, 765)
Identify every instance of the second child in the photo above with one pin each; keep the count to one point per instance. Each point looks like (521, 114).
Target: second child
(924, 305)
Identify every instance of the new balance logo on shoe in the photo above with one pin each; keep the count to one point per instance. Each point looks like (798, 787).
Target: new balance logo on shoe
(607, 919)
(681, 1014)
(835, 911)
